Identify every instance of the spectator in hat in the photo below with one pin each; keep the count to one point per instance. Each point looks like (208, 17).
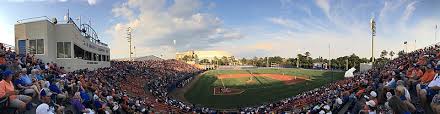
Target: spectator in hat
(44, 107)
(7, 90)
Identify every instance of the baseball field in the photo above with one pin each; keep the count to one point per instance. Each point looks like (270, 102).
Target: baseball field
(229, 89)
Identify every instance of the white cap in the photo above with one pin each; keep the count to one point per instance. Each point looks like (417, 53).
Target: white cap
(321, 112)
(326, 107)
(42, 109)
(339, 101)
(389, 95)
(371, 103)
(95, 97)
(116, 107)
(373, 94)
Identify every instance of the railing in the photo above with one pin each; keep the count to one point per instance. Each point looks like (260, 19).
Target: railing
(85, 29)
(34, 19)
(7, 46)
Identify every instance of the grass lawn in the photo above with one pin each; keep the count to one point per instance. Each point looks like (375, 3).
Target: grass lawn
(262, 90)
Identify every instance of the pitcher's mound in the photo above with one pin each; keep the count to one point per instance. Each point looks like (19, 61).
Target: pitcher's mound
(227, 91)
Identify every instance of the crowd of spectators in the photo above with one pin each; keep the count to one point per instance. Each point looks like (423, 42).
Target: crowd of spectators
(29, 85)
(406, 84)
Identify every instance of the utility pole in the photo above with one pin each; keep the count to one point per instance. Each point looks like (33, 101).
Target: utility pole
(129, 41)
(373, 33)
(435, 35)
(297, 59)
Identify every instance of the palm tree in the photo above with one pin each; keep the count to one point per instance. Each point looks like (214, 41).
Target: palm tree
(383, 53)
(392, 54)
(307, 54)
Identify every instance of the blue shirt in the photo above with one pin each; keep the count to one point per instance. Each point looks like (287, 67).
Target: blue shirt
(54, 88)
(39, 77)
(98, 104)
(26, 80)
(84, 96)
(77, 104)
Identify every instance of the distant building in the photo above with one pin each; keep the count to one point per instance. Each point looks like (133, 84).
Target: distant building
(67, 44)
(200, 55)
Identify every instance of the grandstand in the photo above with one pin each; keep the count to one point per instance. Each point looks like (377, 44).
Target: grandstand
(64, 67)
(408, 83)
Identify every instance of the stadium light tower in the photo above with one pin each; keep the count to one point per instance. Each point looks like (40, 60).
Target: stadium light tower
(373, 33)
(129, 41)
(435, 35)
(297, 58)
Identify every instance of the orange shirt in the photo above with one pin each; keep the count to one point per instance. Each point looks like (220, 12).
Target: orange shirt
(414, 72)
(421, 61)
(2, 61)
(6, 87)
(428, 76)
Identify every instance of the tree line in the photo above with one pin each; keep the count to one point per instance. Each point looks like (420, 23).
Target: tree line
(302, 60)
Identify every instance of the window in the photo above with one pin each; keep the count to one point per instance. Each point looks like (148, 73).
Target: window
(79, 52)
(40, 46)
(64, 50)
(87, 55)
(36, 46)
(94, 57)
(32, 46)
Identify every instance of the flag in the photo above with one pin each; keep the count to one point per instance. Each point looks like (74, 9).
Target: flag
(405, 42)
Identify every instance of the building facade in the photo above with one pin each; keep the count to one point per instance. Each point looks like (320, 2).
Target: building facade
(66, 44)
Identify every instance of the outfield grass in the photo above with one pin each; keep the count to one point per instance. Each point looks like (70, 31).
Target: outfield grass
(264, 89)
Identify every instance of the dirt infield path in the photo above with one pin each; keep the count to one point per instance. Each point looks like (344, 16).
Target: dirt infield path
(286, 79)
(179, 93)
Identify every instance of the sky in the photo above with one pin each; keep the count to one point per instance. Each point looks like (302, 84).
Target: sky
(245, 28)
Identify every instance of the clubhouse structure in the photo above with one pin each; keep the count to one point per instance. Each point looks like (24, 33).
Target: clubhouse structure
(64, 43)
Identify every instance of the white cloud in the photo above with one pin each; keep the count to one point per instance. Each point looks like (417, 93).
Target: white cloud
(91, 2)
(324, 5)
(409, 11)
(287, 23)
(347, 27)
(157, 24)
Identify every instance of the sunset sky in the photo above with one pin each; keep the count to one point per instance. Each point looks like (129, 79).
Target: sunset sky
(245, 28)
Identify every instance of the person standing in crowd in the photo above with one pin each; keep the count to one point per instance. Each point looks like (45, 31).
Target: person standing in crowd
(44, 107)
(7, 90)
